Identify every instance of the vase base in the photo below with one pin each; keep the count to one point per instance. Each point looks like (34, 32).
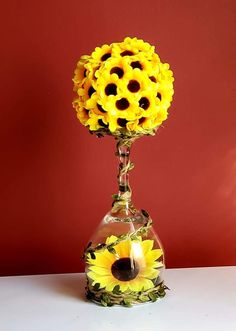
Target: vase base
(127, 299)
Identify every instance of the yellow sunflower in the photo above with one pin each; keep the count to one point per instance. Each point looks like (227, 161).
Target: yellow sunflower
(96, 121)
(132, 46)
(114, 65)
(101, 54)
(88, 89)
(108, 85)
(80, 72)
(133, 265)
(82, 113)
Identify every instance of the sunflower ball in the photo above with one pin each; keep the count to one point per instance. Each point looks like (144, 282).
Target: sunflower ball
(123, 90)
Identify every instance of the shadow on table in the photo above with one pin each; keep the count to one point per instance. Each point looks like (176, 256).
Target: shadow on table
(69, 285)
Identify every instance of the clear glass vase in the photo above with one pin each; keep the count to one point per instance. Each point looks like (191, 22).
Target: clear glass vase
(124, 259)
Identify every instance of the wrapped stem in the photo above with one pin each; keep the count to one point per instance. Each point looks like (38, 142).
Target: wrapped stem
(123, 147)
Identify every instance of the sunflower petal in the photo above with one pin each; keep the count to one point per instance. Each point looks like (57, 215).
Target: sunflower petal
(135, 285)
(111, 240)
(102, 271)
(95, 277)
(155, 265)
(102, 260)
(154, 255)
(147, 246)
(150, 273)
(123, 286)
(110, 286)
(123, 248)
(146, 283)
(104, 280)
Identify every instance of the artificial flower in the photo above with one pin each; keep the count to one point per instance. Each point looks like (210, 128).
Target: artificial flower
(123, 87)
(133, 266)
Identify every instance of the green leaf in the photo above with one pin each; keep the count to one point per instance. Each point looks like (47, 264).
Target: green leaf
(152, 296)
(134, 237)
(161, 293)
(100, 246)
(116, 289)
(144, 298)
(127, 302)
(123, 236)
(111, 249)
(96, 286)
(105, 297)
(103, 303)
(131, 166)
(115, 196)
(145, 213)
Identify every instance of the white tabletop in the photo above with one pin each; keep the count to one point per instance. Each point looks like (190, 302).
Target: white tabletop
(200, 299)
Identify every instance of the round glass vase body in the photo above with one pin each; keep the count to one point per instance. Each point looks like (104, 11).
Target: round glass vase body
(124, 259)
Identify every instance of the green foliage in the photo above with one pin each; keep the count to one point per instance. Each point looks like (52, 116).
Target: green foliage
(93, 256)
(116, 290)
(105, 300)
(161, 291)
(96, 287)
(126, 302)
(153, 296)
(143, 298)
(126, 299)
(111, 249)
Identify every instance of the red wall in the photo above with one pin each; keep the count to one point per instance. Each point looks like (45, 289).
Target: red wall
(57, 180)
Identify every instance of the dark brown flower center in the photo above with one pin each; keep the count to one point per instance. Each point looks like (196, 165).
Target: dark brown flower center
(125, 269)
(118, 71)
(141, 120)
(133, 86)
(111, 89)
(159, 95)
(100, 108)
(125, 53)
(105, 56)
(153, 79)
(144, 103)
(136, 64)
(91, 90)
(122, 122)
(122, 104)
(100, 122)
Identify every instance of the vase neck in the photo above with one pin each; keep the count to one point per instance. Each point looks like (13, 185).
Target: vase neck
(123, 148)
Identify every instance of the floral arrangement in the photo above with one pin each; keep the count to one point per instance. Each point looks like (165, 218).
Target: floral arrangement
(125, 270)
(123, 88)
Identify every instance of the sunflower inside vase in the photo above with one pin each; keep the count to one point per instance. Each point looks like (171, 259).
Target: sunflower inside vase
(133, 265)
(130, 268)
